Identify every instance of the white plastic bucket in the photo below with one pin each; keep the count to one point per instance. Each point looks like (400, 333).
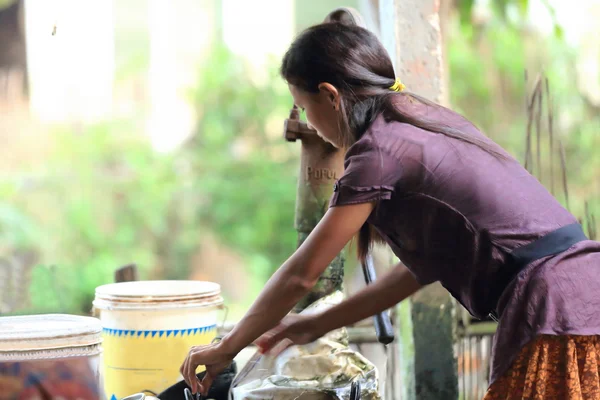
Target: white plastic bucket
(57, 353)
(149, 328)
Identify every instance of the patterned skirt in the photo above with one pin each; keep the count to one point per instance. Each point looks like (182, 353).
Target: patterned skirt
(552, 367)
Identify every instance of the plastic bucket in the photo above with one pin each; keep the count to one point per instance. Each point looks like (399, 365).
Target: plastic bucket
(54, 355)
(149, 328)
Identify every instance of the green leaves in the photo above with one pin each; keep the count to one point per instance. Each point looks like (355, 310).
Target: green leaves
(465, 9)
(246, 171)
(502, 6)
(502, 9)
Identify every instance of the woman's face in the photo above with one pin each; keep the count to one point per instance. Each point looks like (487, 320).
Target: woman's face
(322, 111)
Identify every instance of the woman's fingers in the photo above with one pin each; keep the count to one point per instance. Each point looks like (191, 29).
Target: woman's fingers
(192, 380)
(209, 356)
(183, 369)
(276, 340)
(280, 346)
(205, 384)
(263, 342)
(272, 340)
(277, 334)
(199, 386)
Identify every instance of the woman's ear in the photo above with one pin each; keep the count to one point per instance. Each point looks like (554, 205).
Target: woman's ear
(331, 94)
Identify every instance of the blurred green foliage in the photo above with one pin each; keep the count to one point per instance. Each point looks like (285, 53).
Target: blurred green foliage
(6, 3)
(504, 9)
(246, 170)
(493, 68)
(106, 198)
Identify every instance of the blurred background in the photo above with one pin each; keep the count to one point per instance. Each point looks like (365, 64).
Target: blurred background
(151, 131)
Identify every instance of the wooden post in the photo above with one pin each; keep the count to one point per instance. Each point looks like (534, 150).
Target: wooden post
(13, 54)
(320, 165)
(411, 32)
(127, 273)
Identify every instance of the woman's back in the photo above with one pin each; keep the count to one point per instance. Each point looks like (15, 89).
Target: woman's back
(453, 212)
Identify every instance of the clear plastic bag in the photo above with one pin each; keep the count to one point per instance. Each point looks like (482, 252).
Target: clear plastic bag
(322, 370)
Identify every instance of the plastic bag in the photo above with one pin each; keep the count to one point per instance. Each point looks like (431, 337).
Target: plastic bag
(320, 370)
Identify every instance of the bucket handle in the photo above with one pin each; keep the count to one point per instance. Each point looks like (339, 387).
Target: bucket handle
(224, 320)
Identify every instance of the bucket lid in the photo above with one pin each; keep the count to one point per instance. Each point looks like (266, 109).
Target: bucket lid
(49, 331)
(157, 294)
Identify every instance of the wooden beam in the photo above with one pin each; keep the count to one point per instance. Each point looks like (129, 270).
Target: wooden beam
(127, 273)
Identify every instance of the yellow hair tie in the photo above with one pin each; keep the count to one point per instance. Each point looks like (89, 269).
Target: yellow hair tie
(398, 86)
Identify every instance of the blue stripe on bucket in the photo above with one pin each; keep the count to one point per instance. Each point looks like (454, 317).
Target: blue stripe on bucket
(161, 333)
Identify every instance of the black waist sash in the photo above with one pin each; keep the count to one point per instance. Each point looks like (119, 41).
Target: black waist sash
(550, 244)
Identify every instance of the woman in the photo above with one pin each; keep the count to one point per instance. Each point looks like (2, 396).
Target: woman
(453, 206)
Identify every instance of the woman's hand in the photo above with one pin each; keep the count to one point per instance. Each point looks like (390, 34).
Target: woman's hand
(293, 329)
(396, 285)
(214, 357)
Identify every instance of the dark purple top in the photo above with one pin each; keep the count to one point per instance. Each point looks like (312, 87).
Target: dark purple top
(451, 212)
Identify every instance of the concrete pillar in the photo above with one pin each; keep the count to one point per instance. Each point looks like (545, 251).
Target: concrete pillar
(410, 30)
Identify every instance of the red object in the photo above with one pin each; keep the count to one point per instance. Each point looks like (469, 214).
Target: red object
(64, 379)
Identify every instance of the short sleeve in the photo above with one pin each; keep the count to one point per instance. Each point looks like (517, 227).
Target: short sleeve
(370, 174)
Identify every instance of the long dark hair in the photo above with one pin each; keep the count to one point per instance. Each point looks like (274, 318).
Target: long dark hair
(354, 61)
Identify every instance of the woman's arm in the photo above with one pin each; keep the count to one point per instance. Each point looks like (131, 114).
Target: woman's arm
(385, 292)
(296, 277)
